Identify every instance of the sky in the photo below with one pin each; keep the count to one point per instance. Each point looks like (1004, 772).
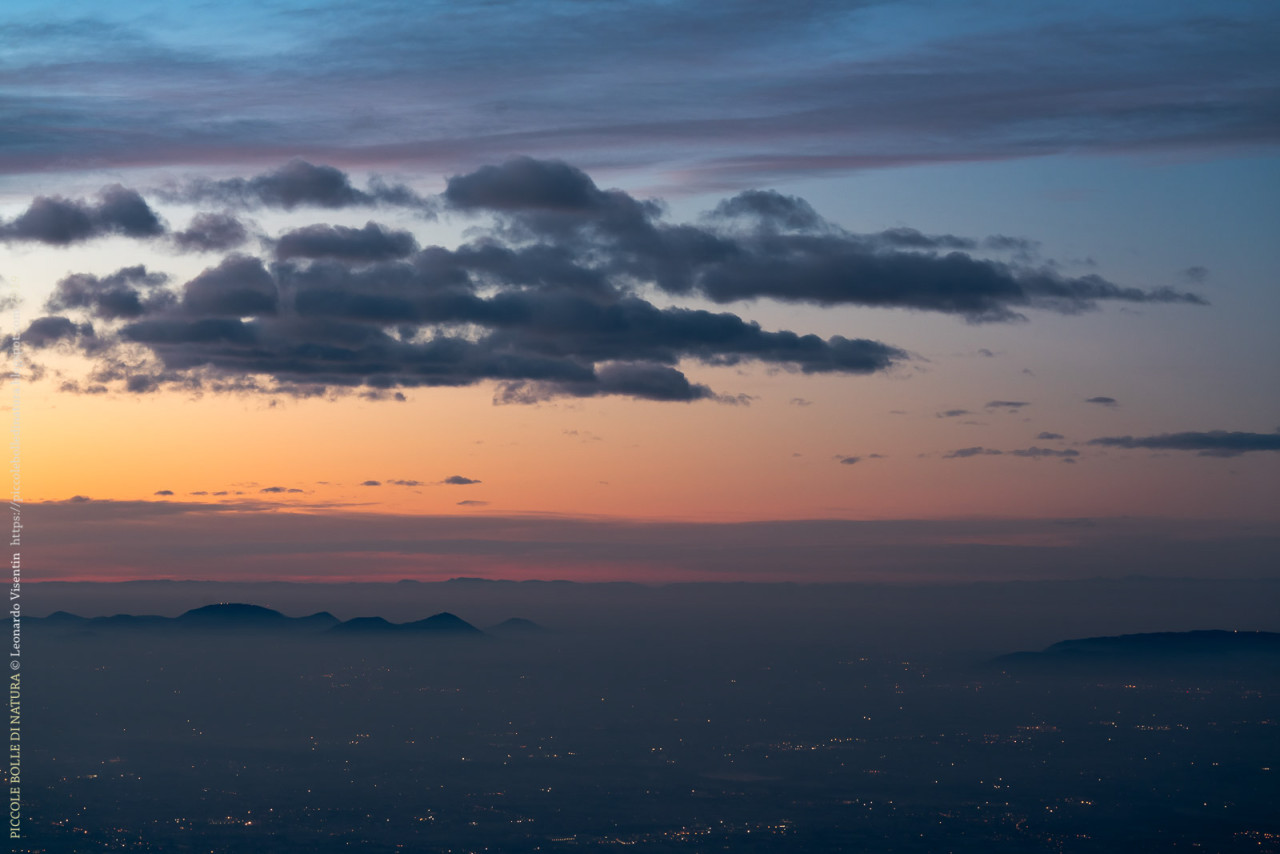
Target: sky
(652, 291)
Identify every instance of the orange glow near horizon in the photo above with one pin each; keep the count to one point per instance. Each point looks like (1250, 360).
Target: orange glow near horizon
(598, 457)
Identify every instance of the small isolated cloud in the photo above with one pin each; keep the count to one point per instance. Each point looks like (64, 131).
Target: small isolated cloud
(1103, 401)
(1007, 404)
(459, 480)
(1046, 436)
(1211, 443)
(1037, 453)
(273, 490)
(951, 413)
(1197, 274)
(372, 483)
(127, 293)
(78, 499)
(963, 453)
(800, 401)
(854, 460)
(472, 503)
(164, 492)
(211, 232)
(299, 184)
(406, 482)
(59, 221)
(48, 331)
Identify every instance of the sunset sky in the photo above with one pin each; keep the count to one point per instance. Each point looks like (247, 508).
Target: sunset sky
(647, 291)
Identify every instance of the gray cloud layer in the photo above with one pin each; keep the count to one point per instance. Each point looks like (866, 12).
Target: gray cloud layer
(778, 89)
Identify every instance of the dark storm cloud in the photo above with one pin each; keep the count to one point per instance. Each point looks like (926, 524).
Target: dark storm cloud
(1103, 401)
(371, 243)
(1212, 443)
(297, 184)
(59, 221)
(910, 238)
(46, 331)
(459, 480)
(772, 210)
(762, 244)
(239, 286)
(544, 297)
(525, 184)
(963, 453)
(638, 380)
(212, 232)
(128, 292)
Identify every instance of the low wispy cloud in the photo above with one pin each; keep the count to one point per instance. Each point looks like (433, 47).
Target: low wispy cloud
(1212, 443)
(964, 453)
(1103, 401)
(1034, 453)
(1040, 453)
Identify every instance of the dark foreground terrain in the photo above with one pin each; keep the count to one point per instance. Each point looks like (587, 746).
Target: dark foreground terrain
(732, 720)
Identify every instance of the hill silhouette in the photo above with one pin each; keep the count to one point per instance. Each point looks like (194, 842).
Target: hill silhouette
(1227, 653)
(239, 617)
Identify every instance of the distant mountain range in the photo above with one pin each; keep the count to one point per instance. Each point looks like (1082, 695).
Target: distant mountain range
(241, 618)
(1165, 652)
